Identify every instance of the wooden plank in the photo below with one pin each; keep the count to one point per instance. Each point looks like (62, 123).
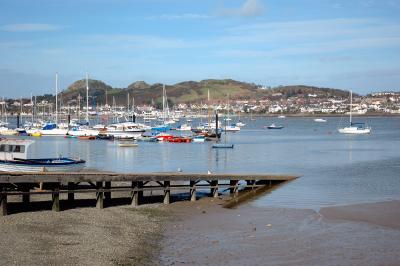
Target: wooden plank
(13, 177)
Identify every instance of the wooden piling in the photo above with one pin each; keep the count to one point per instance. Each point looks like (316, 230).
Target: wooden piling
(167, 192)
(71, 195)
(99, 196)
(25, 197)
(214, 188)
(3, 202)
(233, 187)
(135, 194)
(107, 194)
(56, 198)
(193, 191)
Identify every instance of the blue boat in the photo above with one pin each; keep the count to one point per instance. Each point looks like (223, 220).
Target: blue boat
(13, 158)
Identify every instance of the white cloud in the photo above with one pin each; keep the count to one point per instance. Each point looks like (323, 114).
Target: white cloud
(30, 27)
(181, 16)
(250, 8)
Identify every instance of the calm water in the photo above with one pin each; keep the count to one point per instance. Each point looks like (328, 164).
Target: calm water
(336, 169)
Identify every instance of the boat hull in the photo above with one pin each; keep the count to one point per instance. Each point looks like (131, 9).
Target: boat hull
(354, 130)
(8, 166)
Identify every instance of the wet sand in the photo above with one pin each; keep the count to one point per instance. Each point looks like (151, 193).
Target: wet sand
(207, 234)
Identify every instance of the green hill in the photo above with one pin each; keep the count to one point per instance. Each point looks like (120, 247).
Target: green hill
(189, 92)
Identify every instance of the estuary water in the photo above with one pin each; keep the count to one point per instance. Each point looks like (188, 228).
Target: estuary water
(335, 169)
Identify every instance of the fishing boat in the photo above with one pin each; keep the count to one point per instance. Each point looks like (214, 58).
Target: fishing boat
(354, 128)
(273, 126)
(13, 158)
(319, 120)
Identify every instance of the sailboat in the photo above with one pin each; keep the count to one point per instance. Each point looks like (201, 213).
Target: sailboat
(84, 130)
(354, 128)
(54, 129)
(164, 127)
(224, 145)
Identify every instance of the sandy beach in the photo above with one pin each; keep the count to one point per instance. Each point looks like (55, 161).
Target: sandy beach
(203, 233)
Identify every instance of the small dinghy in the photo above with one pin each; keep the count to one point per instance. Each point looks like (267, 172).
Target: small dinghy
(222, 146)
(127, 145)
(13, 158)
(273, 126)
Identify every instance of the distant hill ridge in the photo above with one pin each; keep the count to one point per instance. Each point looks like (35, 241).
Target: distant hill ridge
(191, 91)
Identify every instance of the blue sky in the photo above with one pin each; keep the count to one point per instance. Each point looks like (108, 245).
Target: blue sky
(346, 44)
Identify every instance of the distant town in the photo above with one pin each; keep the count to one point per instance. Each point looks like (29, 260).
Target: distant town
(269, 101)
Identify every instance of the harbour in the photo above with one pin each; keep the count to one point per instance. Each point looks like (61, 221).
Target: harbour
(242, 132)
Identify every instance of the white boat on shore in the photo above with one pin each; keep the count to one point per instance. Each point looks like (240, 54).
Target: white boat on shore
(13, 158)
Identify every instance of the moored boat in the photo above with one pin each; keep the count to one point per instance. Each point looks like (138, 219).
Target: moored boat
(13, 158)
(273, 126)
(354, 128)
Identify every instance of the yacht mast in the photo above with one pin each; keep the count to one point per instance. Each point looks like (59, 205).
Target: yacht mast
(163, 103)
(87, 98)
(351, 105)
(56, 98)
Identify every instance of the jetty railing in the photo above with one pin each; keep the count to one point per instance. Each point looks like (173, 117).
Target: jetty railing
(104, 183)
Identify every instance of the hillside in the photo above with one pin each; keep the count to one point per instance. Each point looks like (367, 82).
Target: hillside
(189, 92)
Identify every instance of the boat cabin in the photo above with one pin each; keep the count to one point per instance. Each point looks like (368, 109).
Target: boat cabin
(14, 148)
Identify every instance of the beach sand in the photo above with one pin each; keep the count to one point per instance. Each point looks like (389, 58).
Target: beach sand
(84, 236)
(207, 234)
(203, 233)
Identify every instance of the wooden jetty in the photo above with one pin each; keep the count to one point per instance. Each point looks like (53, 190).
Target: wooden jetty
(102, 184)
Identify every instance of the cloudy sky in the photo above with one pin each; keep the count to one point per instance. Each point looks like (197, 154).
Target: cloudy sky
(347, 44)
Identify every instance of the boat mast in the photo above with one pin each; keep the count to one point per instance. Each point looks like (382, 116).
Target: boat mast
(87, 98)
(56, 98)
(351, 105)
(208, 109)
(128, 103)
(32, 115)
(163, 104)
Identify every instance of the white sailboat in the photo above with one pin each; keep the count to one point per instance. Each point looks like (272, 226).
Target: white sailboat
(53, 129)
(84, 130)
(354, 128)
